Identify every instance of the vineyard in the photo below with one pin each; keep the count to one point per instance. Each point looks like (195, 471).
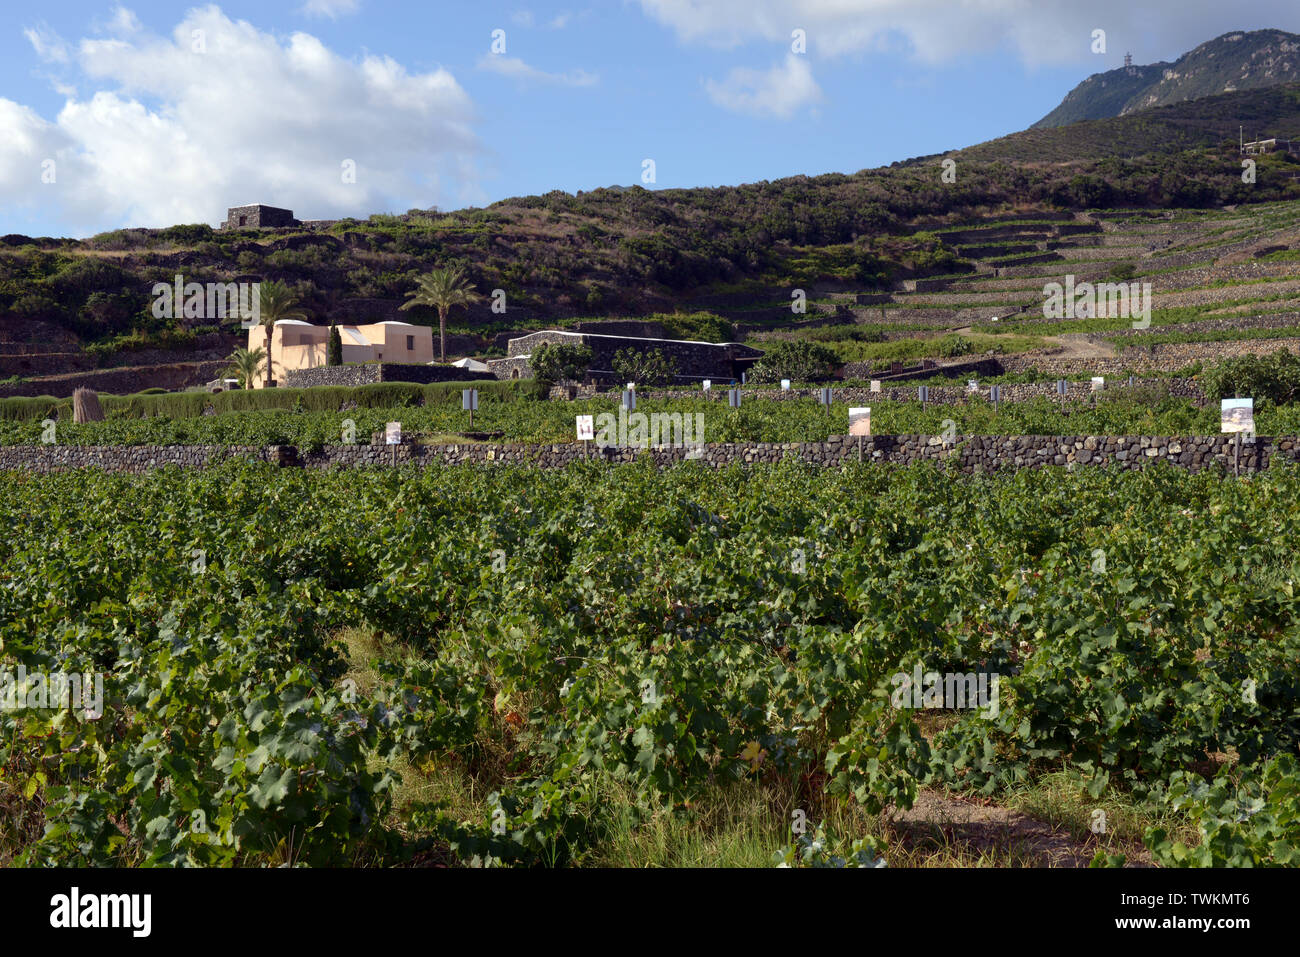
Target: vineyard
(758, 420)
(594, 666)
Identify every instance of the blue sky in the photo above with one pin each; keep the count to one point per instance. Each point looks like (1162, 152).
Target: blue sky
(151, 113)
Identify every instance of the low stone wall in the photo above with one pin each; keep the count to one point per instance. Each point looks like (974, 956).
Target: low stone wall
(979, 454)
(372, 372)
(128, 458)
(1078, 391)
(1013, 262)
(174, 378)
(1166, 357)
(972, 368)
(927, 285)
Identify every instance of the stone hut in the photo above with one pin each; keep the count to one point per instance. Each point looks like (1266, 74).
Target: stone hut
(257, 216)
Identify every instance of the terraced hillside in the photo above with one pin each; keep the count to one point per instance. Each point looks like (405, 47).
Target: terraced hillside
(1222, 282)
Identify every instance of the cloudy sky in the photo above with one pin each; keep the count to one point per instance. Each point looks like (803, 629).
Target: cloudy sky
(152, 113)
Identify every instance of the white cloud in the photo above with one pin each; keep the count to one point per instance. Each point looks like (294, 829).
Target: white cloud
(124, 22)
(49, 46)
(526, 19)
(517, 69)
(170, 135)
(330, 8)
(1038, 31)
(779, 92)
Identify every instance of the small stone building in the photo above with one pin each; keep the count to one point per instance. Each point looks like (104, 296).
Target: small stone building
(258, 216)
(722, 361)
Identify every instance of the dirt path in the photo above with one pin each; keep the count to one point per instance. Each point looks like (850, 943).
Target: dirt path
(1073, 345)
(1076, 345)
(973, 826)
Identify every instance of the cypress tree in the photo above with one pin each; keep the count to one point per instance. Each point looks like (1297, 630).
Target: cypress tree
(334, 354)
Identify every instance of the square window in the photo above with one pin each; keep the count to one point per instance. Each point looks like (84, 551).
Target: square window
(410, 343)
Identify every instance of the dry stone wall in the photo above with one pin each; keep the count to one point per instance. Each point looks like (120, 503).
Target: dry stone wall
(371, 372)
(979, 454)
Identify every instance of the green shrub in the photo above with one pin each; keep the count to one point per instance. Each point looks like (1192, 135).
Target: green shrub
(1274, 377)
(648, 367)
(954, 345)
(31, 408)
(553, 362)
(797, 360)
(700, 326)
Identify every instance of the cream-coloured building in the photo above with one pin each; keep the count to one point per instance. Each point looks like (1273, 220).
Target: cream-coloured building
(300, 345)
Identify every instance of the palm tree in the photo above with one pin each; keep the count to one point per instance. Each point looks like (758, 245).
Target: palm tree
(276, 301)
(442, 289)
(245, 363)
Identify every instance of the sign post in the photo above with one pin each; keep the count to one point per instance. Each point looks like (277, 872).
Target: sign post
(995, 396)
(923, 393)
(1062, 389)
(733, 398)
(860, 425)
(1237, 416)
(826, 400)
(586, 433)
(469, 403)
(393, 438)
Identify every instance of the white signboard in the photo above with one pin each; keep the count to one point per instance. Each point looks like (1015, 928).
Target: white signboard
(785, 385)
(1237, 415)
(875, 385)
(972, 385)
(631, 385)
(586, 428)
(708, 384)
(860, 421)
(1098, 383)
(393, 433)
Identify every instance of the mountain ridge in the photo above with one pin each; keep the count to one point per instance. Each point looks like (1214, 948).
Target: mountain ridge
(1234, 62)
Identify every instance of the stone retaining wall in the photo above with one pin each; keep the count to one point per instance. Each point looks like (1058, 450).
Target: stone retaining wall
(979, 454)
(1164, 357)
(372, 372)
(943, 395)
(175, 377)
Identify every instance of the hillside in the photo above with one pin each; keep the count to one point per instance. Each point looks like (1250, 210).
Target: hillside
(1209, 123)
(1230, 63)
(69, 306)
